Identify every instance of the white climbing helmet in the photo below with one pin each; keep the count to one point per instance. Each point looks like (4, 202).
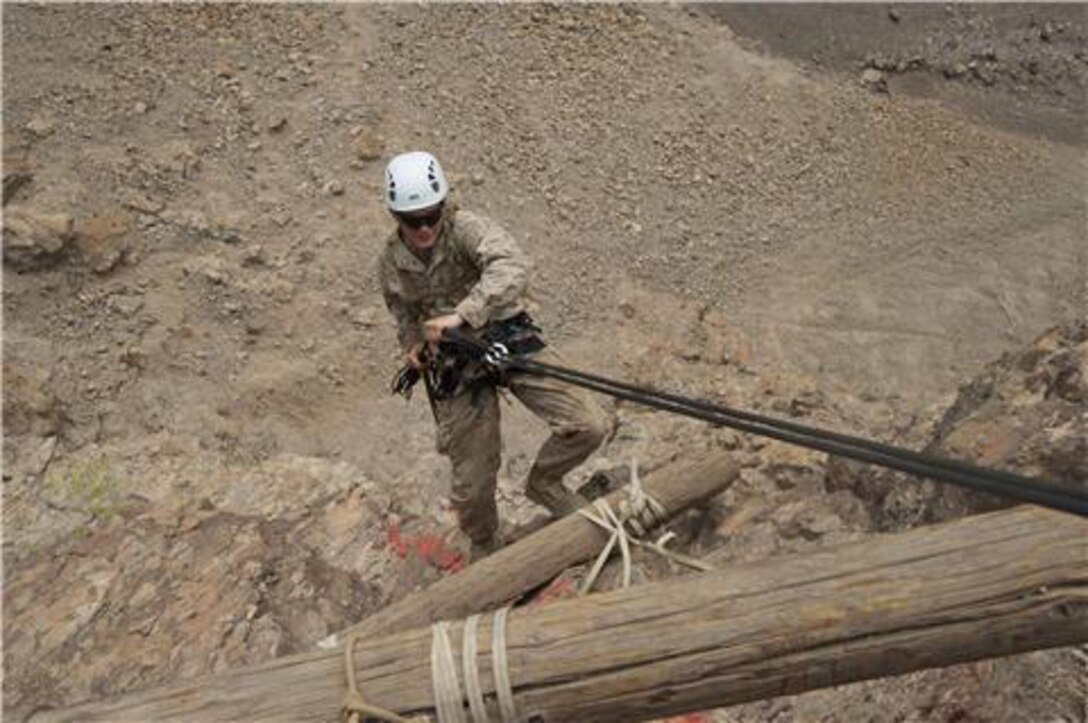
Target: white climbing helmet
(414, 181)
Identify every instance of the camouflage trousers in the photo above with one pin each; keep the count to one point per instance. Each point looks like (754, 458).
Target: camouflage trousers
(469, 434)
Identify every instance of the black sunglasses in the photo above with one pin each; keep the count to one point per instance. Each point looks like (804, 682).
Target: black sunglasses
(417, 222)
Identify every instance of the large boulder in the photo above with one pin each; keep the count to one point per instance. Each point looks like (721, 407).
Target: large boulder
(1024, 413)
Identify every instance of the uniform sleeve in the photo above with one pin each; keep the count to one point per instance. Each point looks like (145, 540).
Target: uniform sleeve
(504, 268)
(406, 315)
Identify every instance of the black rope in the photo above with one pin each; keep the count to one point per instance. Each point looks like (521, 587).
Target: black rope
(995, 482)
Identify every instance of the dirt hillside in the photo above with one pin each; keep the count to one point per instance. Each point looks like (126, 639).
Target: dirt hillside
(202, 467)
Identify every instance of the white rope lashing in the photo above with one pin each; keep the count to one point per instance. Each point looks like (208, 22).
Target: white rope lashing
(641, 513)
(639, 510)
(447, 689)
(503, 690)
(617, 534)
(449, 702)
(473, 691)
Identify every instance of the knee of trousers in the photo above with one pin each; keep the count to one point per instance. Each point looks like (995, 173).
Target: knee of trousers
(586, 433)
(474, 480)
(473, 468)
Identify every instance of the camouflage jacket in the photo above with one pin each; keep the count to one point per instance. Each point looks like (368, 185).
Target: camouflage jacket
(476, 269)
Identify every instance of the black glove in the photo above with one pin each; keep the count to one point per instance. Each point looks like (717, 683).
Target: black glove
(404, 380)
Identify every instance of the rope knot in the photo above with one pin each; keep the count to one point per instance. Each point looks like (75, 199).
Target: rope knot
(639, 511)
(639, 514)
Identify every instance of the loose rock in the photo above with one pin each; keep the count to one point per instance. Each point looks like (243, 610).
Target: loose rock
(41, 126)
(875, 80)
(35, 240)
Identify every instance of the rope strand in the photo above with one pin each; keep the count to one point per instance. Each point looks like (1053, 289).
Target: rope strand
(471, 675)
(447, 689)
(355, 709)
(503, 690)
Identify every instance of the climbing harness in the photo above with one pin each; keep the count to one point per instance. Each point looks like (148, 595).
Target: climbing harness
(996, 482)
(449, 371)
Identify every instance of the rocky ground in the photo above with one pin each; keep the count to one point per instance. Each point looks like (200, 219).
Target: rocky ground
(202, 466)
(1017, 66)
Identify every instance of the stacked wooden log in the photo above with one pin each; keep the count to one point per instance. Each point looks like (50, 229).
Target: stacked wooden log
(991, 585)
(535, 560)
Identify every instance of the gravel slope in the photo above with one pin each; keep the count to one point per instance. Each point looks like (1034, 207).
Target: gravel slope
(196, 360)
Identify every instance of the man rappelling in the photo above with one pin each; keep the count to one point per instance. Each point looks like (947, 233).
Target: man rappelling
(444, 269)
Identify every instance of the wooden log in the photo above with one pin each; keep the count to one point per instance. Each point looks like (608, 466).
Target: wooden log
(532, 561)
(991, 585)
